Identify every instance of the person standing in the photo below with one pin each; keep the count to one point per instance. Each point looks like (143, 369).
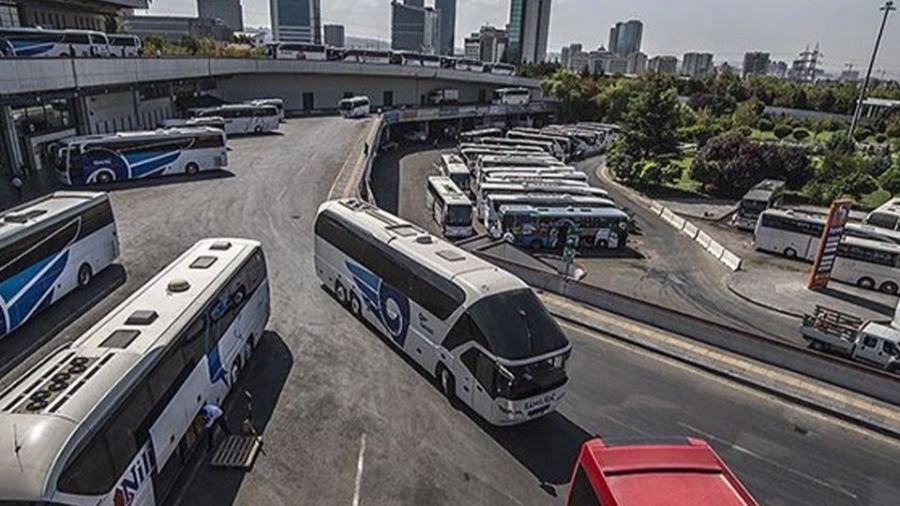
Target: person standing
(213, 416)
(17, 185)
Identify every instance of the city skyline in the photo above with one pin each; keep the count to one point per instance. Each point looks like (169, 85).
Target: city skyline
(846, 30)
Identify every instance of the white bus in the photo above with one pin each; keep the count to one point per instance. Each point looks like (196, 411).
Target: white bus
(764, 195)
(500, 69)
(482, 333)
(217, 122)
(482, 173)
(868, 264)
(418, 60)
(39, 42)
(468, 65)
(511, 96)
(532, 160)
(471, 155)
(477, 135)
(500, 147)
(114, 417)
(368, 56)
(124, 45)
(277, 103)
(450, 208)
(243, 118)
(493, 202)
(562, 145)
(549, 147)
(453, 167)
(355, 107)
(530, 175)
(872, 233)
(102, 159)
(787, 233)
(49, 247)
(297, 51)
(886, 216)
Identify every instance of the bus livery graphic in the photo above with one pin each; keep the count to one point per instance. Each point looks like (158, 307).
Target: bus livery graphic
(134, 165)
(137, 475)
(391, 306)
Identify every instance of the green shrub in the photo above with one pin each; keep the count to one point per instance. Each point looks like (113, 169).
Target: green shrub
(800, 134)
(782, 131)
(881, 138)
(862, 134)
(766, 125)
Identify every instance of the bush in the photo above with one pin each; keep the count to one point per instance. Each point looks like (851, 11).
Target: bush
(782, 131)
(800, 134)
(766, 125)
(890, 180)
(862, 134)
(745, 131)
(881, 138)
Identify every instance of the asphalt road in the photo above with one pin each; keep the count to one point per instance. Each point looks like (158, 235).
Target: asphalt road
(347, 420)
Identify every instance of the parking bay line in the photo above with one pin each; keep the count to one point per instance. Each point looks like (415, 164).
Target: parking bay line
(360, 460)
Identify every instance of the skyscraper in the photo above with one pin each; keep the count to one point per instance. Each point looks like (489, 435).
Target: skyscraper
(334, 35)
(296, 21)
(696, 64)
(756, 63)
(625, 37)
(229, 11)
(487, 44)
(529, 27)
(447, 19)
(414, 27)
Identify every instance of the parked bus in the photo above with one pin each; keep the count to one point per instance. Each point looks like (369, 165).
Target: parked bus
(868, 264)
(487, 146)
(33, 42)
(472, 155)
(443, 96)
(673, 471)
(547, 227)
(886, 216)
(511, 96)
(872, 233)
(296, 51)
(493, 202)
(529, 175)
(562, 145)
(49, 247)
(468, 65)
(536, 160)
(217, 122)
(500, 69)
(102, 159)
(368, 56)
(450, 208)
(355, 107)
(787, 233)
(549, 147)
(477, 135)
(243, 118)
(764, 195)
(277, 103)
(539, 186)
(453, 167)
(115, 416)
(479, 330)
(124, 45)
(418, 60)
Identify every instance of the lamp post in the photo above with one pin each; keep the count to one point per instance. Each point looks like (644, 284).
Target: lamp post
(887, 8)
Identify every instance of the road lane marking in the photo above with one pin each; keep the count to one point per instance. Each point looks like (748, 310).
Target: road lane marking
(359, 469)
(769, 461)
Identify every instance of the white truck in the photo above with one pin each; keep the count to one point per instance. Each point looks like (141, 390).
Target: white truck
(869, 342)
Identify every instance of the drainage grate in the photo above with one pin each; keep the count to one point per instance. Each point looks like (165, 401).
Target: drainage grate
(237, 452)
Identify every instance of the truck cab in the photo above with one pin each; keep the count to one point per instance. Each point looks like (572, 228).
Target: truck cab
(879, 345)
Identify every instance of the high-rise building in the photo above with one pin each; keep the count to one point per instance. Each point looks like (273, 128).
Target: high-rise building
(414, 27)
(625, 37)
(696, 65)
(756, 63)
(334, 35)
(487, 45)
(663, 65)
(528, 29)
(296, 21)
(229, 11)
(778, 69)
(564, 56)
(636, 64)
(447, 20)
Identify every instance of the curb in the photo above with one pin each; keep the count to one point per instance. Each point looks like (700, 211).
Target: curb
(749, 299)
(799, 400)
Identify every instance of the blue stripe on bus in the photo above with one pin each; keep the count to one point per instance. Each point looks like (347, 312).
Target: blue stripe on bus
(147, 163)
(13, 285)
(389, 304)
(38, 295)
(32, 50)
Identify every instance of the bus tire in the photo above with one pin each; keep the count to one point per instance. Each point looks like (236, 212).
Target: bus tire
(866, 282)
(257, 129)
(236, 372)
(447, 383)
(889, 287)
(536, 244)
(340, 293)
(790, 252)
(355, 305)
(104, 178)
(192, 169)
(85, 274)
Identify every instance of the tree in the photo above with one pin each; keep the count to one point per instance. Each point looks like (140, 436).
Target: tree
(890, 179)
(575, 94)
(652, 120)
(800, 134)
(749, 113)
(704, 128)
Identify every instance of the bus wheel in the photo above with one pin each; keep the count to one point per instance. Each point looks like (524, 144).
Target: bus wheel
(257, 129)
(536, 244)
(867, 283)
(235, 372)
(104, 178)
(85, 274)
(192, 169)
(356, 305)
(790, 252)
(447, 382)
(889, 287)
(341, 293)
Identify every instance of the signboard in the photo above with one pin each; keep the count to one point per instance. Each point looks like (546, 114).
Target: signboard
(828, 244)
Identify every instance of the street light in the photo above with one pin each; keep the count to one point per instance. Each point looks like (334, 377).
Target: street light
(887, 8)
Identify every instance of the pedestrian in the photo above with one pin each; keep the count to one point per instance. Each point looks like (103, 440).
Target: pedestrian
(17, 187)
(366, 149)
(213, 416)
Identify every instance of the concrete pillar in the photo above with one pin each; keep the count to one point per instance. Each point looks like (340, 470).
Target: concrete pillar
(10, 141)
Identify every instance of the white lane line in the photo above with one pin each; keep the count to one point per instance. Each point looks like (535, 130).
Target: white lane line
(359, 469)
(770, 462)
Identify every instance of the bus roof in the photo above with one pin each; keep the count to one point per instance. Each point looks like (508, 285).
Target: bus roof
(575, 212)
(551, 199)
(115, 353)
(185, 131)
(790, 213)
(675, 473)
(447, 189)
(874, 244)
(892, 206)
(15, 221)
(764, 190)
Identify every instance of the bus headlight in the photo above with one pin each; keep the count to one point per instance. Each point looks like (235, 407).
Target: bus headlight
(623, 225)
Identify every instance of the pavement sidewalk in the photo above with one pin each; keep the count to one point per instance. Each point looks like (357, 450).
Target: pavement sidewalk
(849, 406)
(38, 183)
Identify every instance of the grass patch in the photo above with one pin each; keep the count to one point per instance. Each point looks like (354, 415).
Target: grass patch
(874, 199)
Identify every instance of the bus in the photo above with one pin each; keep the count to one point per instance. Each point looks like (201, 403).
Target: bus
(468, 65)
(471, 155)
(764, 195)
(547, 227)
(868, 264)
(671, 471)
(277, 103)
(450, 208)
(243, 118)
(296, 51)
(562, 145)
(487, 146)
(368, 56)
(35, 42)
(355, 107)
(102, 159)
(872, 233)
(550, 147)
(535, 160)
(886, 216)
(217, 122)
(49, 247)
(453, 167)
(530, 175)
(114, 416)
(784, 232)
(124, 45)
(492, 203)
(511, 96)
(480, 331)
(476, 135)
(545, 186)
(500, 69)
(419, 60)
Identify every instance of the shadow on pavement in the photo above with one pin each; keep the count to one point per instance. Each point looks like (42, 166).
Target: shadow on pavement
(264, 381)
(860, 301)
(45, 325)
(156, 181)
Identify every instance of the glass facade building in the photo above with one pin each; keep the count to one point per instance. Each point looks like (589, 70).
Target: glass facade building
(296, 20)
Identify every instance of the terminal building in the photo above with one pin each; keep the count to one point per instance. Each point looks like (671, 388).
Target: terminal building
(79, 14)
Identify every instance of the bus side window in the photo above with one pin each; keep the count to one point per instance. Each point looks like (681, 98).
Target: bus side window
(582, 493)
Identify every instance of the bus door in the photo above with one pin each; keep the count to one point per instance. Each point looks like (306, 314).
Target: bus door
(189, 445)
(475, 379)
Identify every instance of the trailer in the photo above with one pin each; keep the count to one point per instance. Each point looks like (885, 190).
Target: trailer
(868, 342)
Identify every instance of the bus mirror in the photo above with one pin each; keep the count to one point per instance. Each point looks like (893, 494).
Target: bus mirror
(505, 373)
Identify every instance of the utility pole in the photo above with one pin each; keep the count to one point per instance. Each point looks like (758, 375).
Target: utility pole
(887, 8)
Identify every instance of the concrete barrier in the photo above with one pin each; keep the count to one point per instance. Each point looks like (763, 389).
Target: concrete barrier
(715, 249)
(731, 260)
(656, 207)
(703, 239)
(690, 230)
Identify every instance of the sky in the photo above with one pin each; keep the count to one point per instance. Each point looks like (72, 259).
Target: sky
(846, 29)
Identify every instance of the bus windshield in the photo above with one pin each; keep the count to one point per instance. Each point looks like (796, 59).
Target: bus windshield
(459, 215)
(516, 325)
(754, 206)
